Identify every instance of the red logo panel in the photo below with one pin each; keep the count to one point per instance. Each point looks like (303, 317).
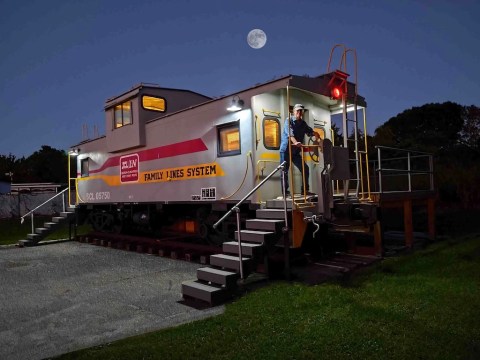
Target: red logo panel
(129, 168)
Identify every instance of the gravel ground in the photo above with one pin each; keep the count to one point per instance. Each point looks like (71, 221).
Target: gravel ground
(66, 296)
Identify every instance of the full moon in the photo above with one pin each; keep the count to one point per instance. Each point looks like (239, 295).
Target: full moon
(257, 38)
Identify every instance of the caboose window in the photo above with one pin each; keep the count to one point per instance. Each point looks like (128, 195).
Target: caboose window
(85, 170)
(229, 139)
(153, 103)
(271, 133)
(123, 114)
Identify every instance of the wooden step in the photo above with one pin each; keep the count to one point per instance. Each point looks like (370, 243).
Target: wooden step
(217, 276)
(209, 293)
(58, 219)
(265, 224)
(231, 262)
(256, 236)
(248, 249)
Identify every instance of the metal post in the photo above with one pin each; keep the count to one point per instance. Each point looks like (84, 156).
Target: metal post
(286, 241)
(430, 161)
(379, 171)
(31, 217)
(63, 201)
(240, 257)
(409, 173)
(69, 179)
(346, 183)
(303, 178)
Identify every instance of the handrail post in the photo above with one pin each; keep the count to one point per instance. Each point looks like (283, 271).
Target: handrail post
(63, 201)
(240, 256)
(409, 172)
(31, 217)
(379, 170)
(286, 242)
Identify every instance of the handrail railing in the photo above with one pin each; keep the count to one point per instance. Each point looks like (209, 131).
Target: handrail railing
(409, 171)
(22, 219)
(236, 209)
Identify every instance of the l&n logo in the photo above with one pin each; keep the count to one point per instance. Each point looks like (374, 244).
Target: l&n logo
(129, 168)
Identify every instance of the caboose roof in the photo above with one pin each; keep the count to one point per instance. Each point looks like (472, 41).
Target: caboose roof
(136, 89)
(316, 85)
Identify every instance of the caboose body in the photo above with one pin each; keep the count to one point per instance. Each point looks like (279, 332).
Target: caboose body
(177, 159)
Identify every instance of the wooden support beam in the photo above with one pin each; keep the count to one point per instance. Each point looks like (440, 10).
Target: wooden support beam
(377, 238)
(408, 222)
(431, 218)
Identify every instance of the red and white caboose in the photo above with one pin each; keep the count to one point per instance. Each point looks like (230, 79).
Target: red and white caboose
(175, 159)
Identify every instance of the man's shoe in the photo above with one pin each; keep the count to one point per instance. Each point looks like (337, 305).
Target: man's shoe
(288, 196)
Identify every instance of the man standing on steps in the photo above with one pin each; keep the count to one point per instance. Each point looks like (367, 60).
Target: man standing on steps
(294, 131)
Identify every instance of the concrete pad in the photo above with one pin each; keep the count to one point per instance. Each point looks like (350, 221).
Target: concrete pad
(63, 297)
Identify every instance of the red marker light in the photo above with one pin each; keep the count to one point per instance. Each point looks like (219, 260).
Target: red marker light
(336, 93)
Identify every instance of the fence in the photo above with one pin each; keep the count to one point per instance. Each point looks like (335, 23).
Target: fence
(15, 205)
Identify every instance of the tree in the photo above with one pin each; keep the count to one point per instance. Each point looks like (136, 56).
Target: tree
(47, 165)
(470, 132)
(452, 133)
(7, 166)
(431, 127)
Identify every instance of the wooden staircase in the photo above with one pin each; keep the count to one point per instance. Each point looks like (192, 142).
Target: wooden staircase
(219, 282)
(41, 233)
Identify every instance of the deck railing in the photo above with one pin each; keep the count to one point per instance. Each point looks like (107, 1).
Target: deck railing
(401, 170)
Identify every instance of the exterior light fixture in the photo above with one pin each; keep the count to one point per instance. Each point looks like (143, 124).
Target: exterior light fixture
(237, 104)
(74, 152)
(337, 84)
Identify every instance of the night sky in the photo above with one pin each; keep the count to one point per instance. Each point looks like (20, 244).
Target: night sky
(60, 60)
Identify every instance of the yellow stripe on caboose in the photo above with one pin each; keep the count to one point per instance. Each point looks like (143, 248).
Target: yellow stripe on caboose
(189, 172)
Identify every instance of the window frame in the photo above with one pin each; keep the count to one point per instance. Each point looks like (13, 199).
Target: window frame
(122, 111)
(230, 125)
(156, 97)
(82, 172)
(279, 137)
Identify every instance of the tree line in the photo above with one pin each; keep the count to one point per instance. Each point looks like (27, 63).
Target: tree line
(451, 132)
(45, 165)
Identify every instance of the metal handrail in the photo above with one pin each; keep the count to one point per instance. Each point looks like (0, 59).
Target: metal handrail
(410, 154)
(260, 169)
(236, 209)
(22, 219)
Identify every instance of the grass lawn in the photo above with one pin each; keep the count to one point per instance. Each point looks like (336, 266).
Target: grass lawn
(419, 306)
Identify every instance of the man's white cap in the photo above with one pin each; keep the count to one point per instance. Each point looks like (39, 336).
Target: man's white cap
(298, 107)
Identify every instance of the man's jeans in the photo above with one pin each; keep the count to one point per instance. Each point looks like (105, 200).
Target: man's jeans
(297, 161)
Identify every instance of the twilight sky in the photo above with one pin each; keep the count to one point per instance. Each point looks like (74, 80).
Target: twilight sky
(61, 59)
